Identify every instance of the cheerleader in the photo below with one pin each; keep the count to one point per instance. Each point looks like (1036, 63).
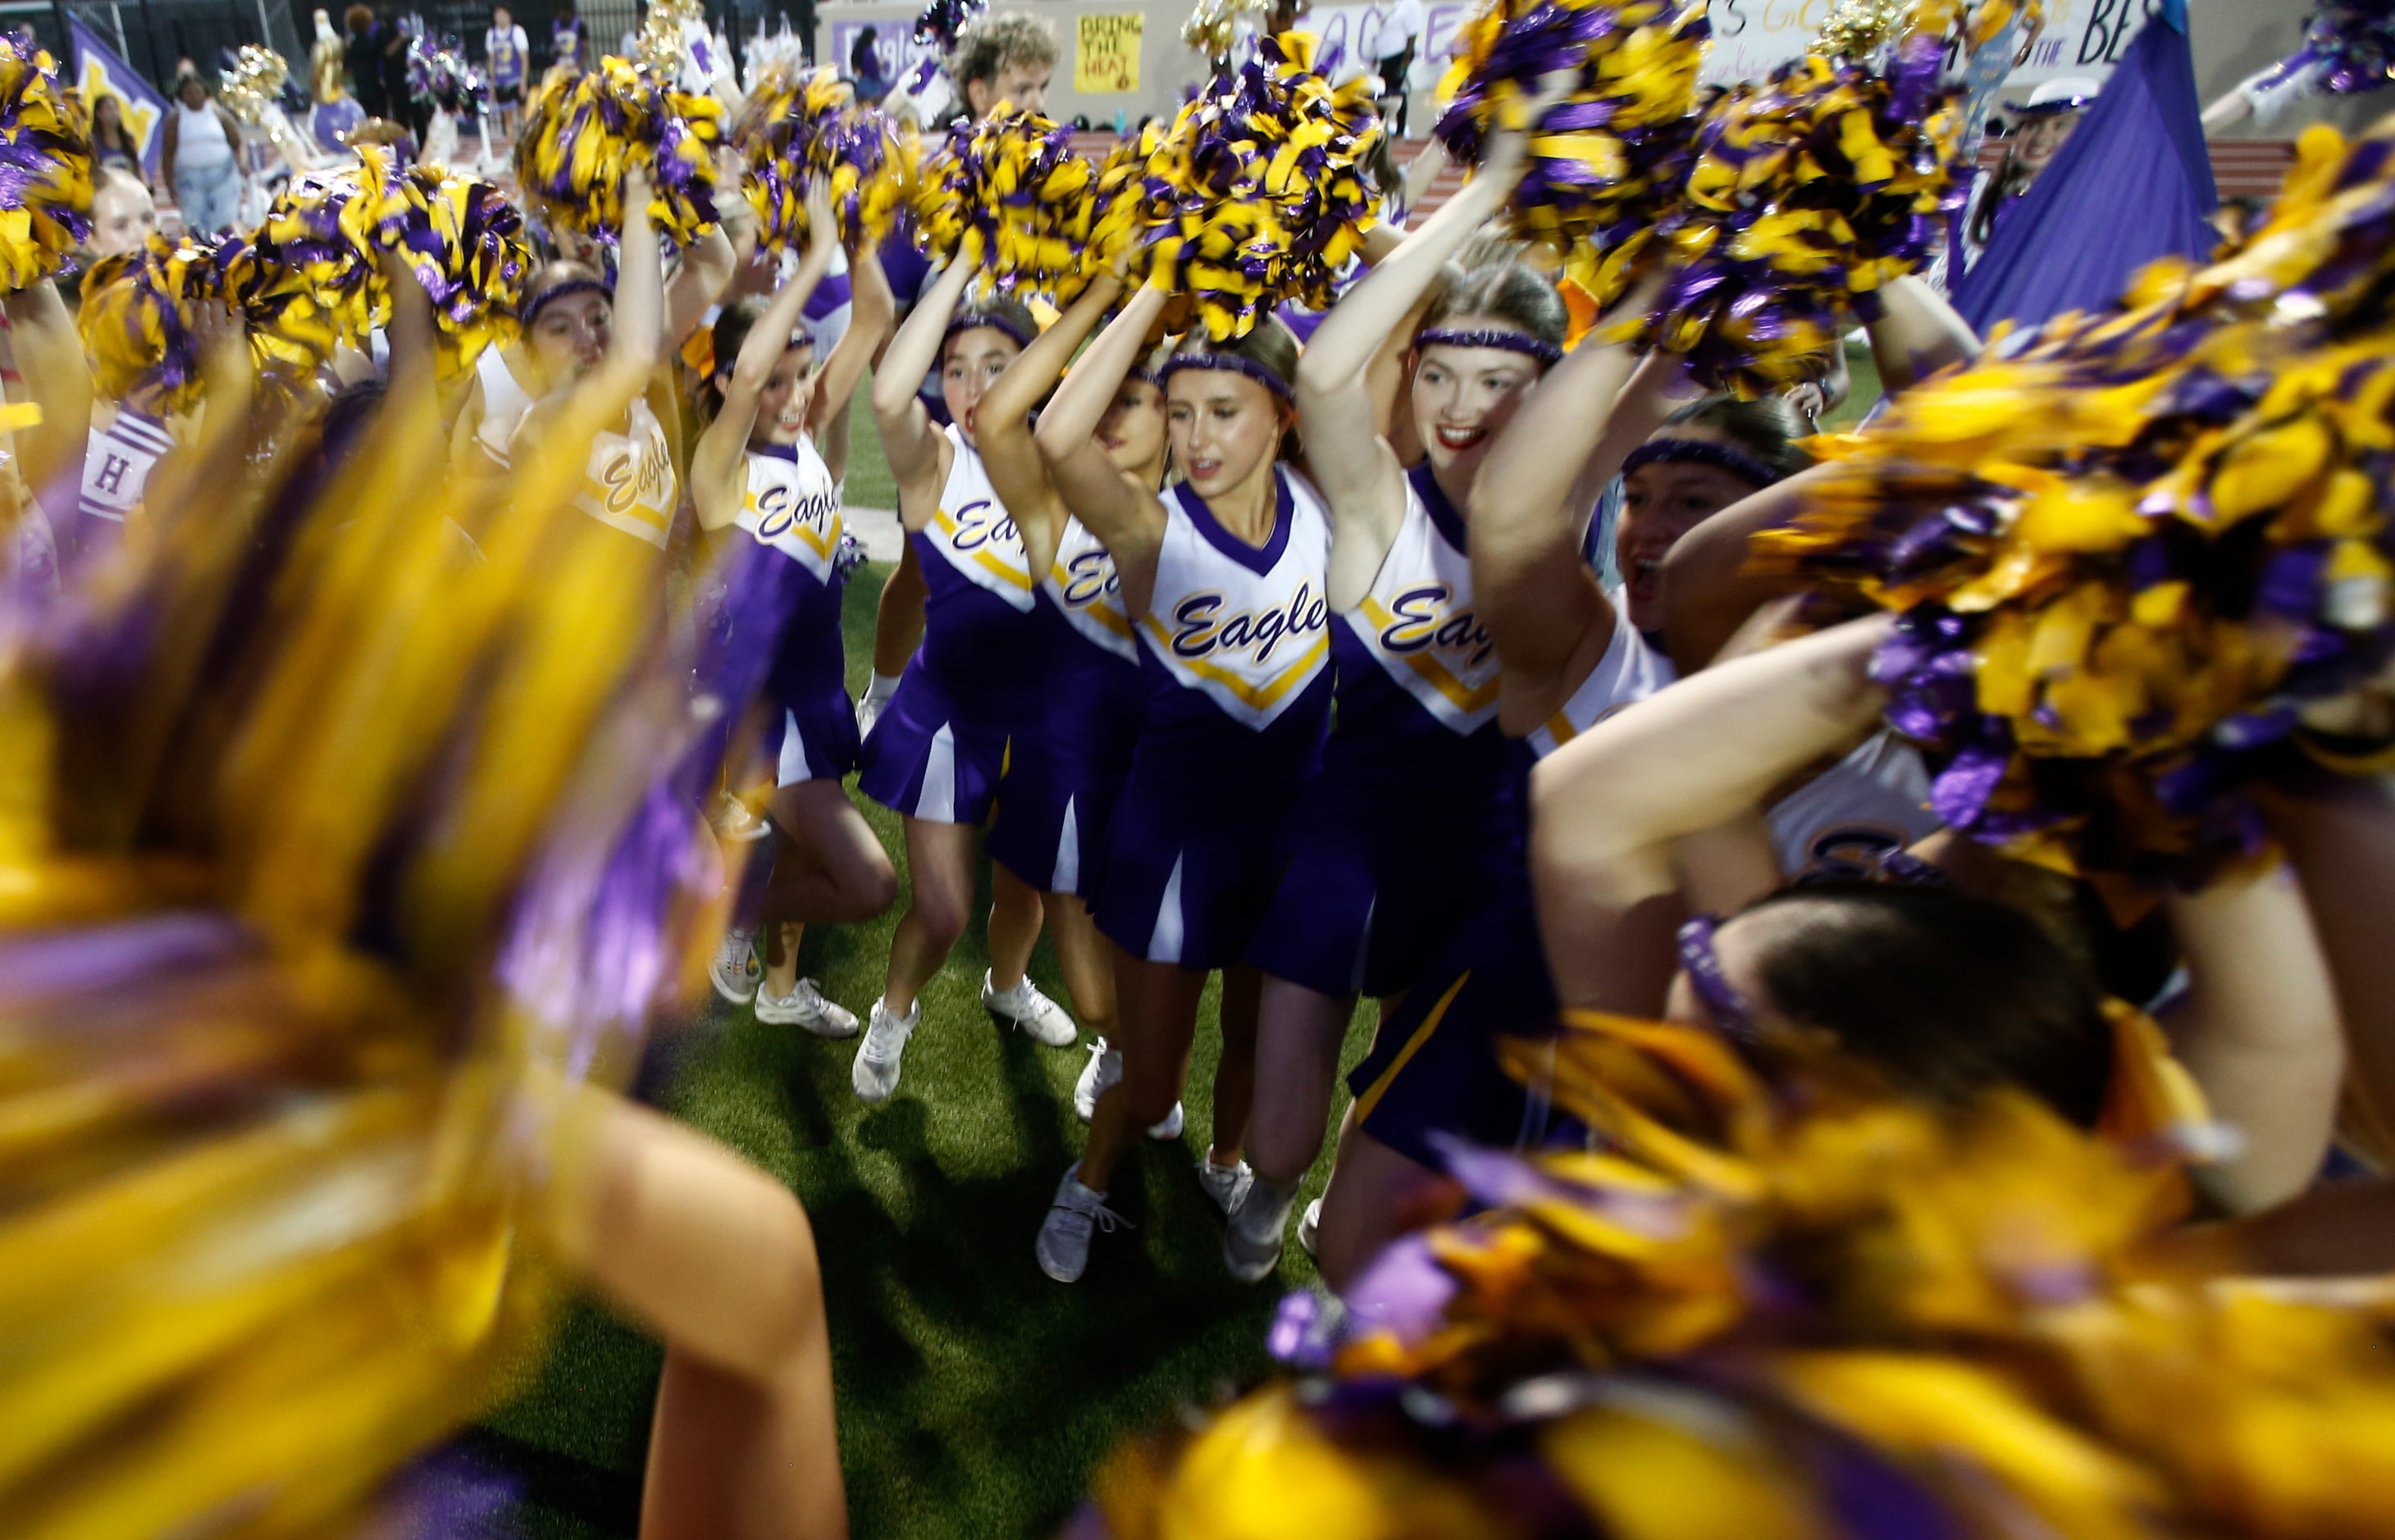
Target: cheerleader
(581, 333)
(936, 755)
(507, 55)
(757, 466)
(1056, 799)
(1224, 577)
(1392, 844)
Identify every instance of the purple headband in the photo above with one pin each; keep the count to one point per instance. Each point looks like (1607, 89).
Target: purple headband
(1231, 362)
(973, 321)
(1732, 1016)
(1703, 452)
(542, 301)
(1513, 342)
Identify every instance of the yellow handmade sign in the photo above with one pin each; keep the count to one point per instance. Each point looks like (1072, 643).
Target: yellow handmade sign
(1106, 57)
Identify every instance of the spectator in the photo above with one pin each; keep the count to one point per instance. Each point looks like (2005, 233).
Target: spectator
(200, 159)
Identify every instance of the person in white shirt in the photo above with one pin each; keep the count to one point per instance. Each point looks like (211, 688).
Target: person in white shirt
(1388, 41)
(507, 55)
(200, 157)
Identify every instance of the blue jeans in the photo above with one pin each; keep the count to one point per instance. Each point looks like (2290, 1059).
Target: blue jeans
(210, 196)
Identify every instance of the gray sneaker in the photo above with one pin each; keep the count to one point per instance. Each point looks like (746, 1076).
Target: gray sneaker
(806, 1006)
(875, 1074)
(735, 972)
(1063, 1245)
(1251, 1245)
(1225, 1184)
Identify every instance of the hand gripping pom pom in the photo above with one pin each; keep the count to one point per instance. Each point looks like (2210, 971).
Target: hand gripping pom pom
(305, 281)
(1607, 161)
(581, 135)
(1811, 190)
(139, 321)
(794, 129)
(2134, 552)
(1009, 195)
(45, 166)
(1254, 196)
(464, 241)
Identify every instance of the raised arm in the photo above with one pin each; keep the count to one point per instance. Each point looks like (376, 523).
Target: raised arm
(2257, 1029)
(1350, 461)
(1016, 472)
(717, 464)
(909, 441)
(638, 343)
(1544, 606)
(706, 268)
(57, 376)
(1916, 334)
(869, 312)
(1607, 807)
(1125, 516)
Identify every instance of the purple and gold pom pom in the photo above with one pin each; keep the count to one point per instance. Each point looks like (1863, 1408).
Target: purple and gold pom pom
(45, 166)
(1607, 161)
(2138, 554)
(1810, 191)
(1255, 194)
(140, 320)
(1008, 194)
(794, 129)
(305, 281)
(464, 241)
(582, 134)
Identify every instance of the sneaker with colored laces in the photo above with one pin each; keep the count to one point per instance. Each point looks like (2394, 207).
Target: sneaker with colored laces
(736, 972)
(1063, 1245)
(1034, 1013)
(806, 1006)
(875, 1074)
(1251, 1245)
(1225, 1184)
(1309, 1227)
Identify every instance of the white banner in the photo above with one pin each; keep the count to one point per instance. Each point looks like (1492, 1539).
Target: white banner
(2081, 37)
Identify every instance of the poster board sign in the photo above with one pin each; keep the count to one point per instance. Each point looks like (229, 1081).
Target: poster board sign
(1105, 53)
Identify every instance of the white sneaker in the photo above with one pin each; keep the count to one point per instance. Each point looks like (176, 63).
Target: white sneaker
(736, 822)
(1251, 1245)
(806, 1006)
(1063, 1245)
(1225, 1184)
(735, 972)
(1032, 1011)
(875, 1074)
(1103, 1070)
(868, 711)
(1309, 1226)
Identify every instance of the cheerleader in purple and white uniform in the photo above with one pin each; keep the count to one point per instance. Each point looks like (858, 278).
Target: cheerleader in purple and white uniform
(1223, 575)
(1395, 842)
(936, 753)
(1056, 800)
(757, 467)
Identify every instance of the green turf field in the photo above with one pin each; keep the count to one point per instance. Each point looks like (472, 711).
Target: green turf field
(974, 1394)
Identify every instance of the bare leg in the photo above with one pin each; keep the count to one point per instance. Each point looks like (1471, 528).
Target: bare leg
(1297, 1058)
(1235, 1076)
(1375, 1195)
(1015, 915)
(940, 857)
(838, 871)
(898, 620)
(782, 938)
(1159, 1018)
(718, 1258)
(1087, 960)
